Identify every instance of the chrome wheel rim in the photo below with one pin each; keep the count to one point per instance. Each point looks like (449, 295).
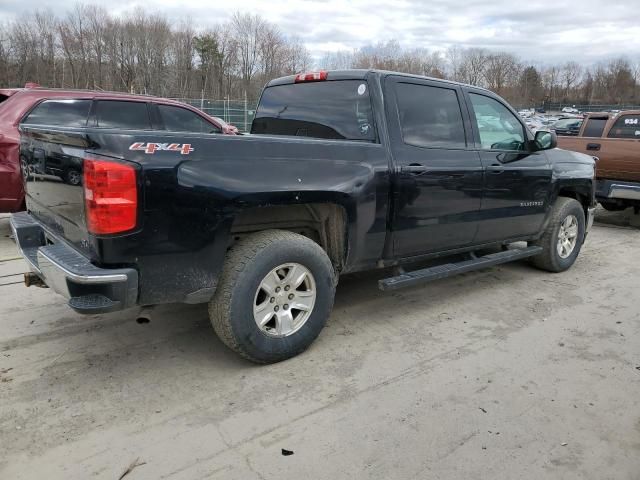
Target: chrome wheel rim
(568, 236)
(284, 300)
(73, 177)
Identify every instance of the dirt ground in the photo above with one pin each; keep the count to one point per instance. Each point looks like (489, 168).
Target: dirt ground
(508, 373)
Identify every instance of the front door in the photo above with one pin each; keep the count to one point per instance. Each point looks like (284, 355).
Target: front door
(437, 184)
(517, 181)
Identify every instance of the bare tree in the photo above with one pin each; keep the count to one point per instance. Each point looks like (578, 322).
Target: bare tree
(472, 66)
(570, 74)
(501, 69)
(143, 52)
(248, 30)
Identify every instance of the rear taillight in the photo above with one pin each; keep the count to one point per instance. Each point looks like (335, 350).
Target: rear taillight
(311, 77)
(110, 196)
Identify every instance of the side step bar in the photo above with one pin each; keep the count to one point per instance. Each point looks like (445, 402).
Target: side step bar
(417, 277)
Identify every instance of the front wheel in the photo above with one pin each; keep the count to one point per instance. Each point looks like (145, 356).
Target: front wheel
(563, 237)
(274, 295)
(73, 177)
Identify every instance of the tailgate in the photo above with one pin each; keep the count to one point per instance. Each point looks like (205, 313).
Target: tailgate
(53, 160)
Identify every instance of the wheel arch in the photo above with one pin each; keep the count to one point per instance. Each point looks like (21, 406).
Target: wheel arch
(580, 190)
(324, 223)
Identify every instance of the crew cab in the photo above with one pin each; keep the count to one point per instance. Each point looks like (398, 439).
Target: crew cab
(615, 140)
(344, 171)
(34, 105)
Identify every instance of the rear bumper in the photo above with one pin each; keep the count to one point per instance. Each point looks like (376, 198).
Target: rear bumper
(616, 190)
(89, 289)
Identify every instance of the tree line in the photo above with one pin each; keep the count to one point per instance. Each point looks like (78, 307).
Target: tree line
(87, 47)
(616, 81)
(145, 53)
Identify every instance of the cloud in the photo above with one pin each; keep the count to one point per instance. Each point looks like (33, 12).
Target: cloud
(536, 30)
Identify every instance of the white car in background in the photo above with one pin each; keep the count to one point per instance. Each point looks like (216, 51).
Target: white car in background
(573, 110)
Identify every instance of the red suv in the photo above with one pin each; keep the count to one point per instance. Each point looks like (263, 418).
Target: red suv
(35, 105)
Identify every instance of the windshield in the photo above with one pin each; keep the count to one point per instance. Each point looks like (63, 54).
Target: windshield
(339, 109)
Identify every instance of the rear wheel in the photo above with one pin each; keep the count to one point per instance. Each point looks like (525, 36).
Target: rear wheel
(274, 296)
(562, 240)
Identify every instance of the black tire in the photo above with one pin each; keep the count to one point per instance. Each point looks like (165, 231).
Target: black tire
(550, 259)
(247, 263)
(73, 177)
(613, 207)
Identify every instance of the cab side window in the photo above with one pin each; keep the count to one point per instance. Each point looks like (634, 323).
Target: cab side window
(122, 114)
(498, 128)
(177, 119)
(63, 113)
(594, 127)
(627, 126)
(430, 116)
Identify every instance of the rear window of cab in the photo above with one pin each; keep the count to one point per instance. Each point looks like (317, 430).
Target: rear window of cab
(334, 109)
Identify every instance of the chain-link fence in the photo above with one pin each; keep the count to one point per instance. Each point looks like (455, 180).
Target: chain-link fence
(236, 112)
(241, 112)
(592, 108)
(557, 107)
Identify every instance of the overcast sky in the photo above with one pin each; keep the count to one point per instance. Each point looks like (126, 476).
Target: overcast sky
(542, 31)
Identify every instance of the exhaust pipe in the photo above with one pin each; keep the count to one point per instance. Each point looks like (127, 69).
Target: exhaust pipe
(144, 316)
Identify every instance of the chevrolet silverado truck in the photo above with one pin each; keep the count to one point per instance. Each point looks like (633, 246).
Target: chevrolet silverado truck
(615, 140)
(344, 171)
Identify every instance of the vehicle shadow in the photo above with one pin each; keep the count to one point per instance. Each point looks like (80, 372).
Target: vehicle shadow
(111, 343)
(623, 218)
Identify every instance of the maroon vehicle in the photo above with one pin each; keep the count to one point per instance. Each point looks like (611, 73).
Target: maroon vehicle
(33, 105)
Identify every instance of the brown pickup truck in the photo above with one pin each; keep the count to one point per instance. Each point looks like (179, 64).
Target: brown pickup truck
(615, 140)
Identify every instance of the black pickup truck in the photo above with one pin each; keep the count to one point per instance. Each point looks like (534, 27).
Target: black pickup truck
(344, 171)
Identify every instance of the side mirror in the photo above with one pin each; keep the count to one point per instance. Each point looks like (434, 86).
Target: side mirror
(545, 140)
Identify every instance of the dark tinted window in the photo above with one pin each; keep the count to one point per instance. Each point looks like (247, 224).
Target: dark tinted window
(327, 109)
(429, 116)
(64, 113)
(119, 114)
(179, 119)
(499, 129)
(594, 127)
(627, 126)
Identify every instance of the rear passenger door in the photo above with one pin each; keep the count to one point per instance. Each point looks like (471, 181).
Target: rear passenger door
(437, 183)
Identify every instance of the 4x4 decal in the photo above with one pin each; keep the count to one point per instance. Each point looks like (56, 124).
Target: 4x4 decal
(151, 148)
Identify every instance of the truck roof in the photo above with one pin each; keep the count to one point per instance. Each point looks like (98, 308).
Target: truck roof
(361, 74)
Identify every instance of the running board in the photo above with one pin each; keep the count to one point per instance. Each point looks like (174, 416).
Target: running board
(417, 277)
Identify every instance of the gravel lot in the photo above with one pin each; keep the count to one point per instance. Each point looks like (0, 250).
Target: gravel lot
(508, 373)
